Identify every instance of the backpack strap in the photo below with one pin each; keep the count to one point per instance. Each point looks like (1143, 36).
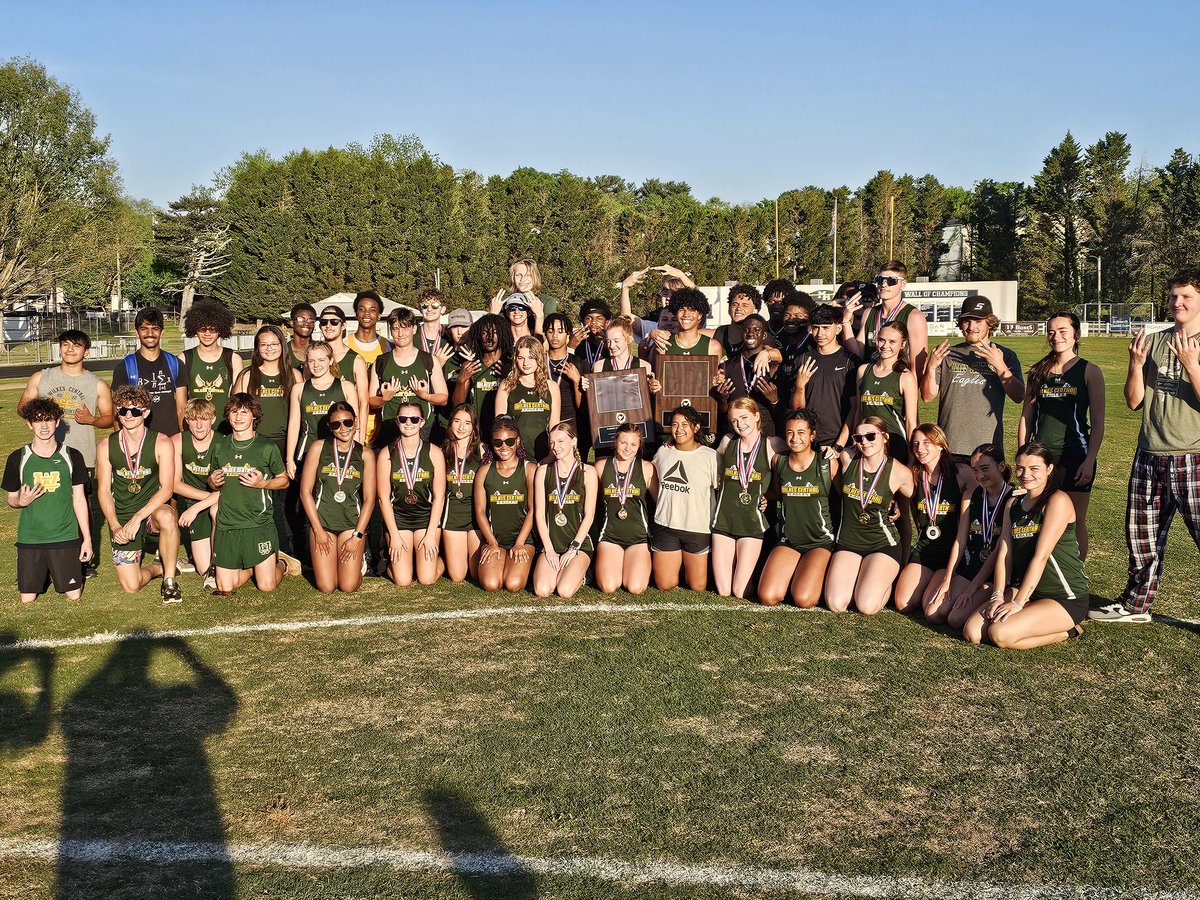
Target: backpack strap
(131, 369)
(173, 365)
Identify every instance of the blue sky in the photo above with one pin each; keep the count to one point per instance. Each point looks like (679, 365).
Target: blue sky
(742, 99)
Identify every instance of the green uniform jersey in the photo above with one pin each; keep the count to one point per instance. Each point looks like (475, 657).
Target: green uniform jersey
(880, 396)
(411, 503)
(564, 508)
(134, 473)
(980, 545)
(459, 511)
(210, 381)
(701, 347)
(805, 513)
(197, 464)
(346, 366)
(273, 425)
(867, 529)
(389, 369)
(314, 413)
(934, 552)
(1063, 578)
(532, 412)
(507, 503)
(339, 503)
(634, 527)
(876, 319)
(1060, 412)
(49, 521)
(241, 506)
(737, 512)
(484, 385)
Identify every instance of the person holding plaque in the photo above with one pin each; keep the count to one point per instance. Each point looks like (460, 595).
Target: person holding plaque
(503, 511)
(411, 481)
(869, 545)
(738, 524)
(564, 506)
(626, 483)
(460, 533)
(528, 395)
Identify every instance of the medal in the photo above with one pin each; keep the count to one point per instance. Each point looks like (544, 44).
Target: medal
(933, 500)
(622, 513)
(864, 497)
(458, 495)
(132, 463)
(744, 498)
(561, 486)
(933, 532)
(459, 466)
(410, 472)
(411, 499)
(745, 469)
(340, 471)
(623, 486)
(561, 520)
(339, 497)
(987, 518)
(864, 517)
(134, 487)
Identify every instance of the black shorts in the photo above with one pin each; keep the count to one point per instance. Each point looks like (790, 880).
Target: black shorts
(60, 564)
(1068, 468)
(890, 552)
(668, 540)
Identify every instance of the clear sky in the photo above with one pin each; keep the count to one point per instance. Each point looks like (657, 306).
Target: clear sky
(741, 99)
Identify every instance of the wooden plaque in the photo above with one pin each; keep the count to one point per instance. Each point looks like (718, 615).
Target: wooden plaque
(687, 381)
(614, 398)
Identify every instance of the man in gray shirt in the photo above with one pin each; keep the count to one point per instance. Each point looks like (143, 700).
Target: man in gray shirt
(973, 379)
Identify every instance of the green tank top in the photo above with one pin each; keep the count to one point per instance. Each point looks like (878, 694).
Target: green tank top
(607, 364)
(132, 486)
(314, 413)
(634, 527)
(880, 396)
(338, 515)
(1063, 578)
(346, 365)
(459, 512)
(197, 465)
(737, 510)
(419, 368)
(977, 551)
(274, 404)
(411, 505)
(866, 530)
(935, 552)
(1061, 409)
(571, 510)
(240, 506)
(805, 514)
(532, 412)
(700, 349)
(484, 385)
(507, 503)
(872, 324)
(210, 380)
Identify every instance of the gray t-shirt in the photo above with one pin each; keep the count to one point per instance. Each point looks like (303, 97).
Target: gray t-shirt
(1170, 409)
(71, 392)
(972, 398)
(687, 488)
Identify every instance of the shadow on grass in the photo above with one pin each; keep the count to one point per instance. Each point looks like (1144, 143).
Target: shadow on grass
(25, 723)
(139, 812)
(484, 865)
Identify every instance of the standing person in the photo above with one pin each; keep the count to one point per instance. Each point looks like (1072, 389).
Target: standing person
(503, 511)
(561, 366)
(463, 458)
(1064, 412)
(211, 368)
(825, 379)
(193, 464)
(86, 404)
(450, 355)
(691, 309)
(942, 497)
(406, 375)
(589, 340)
(803, 483)
(411, 481)
(248, 471)
(135, 471)
(737, 377)
(972, 380)
(366, 342)
(1041, 593)
(45, 480)
(887, 389)
(869, 547)
(337, 488)
(431, 305)
(163, 376)
(524, 277)
(1164, 370)
(744, 300)
(351, 367)
(310, 402)
(738, 526)
(517, 311)
(688, 474)
(775, 293)
(304, 320)
(626, 484)
(528, 396)
(892, 307)
(488, 356)
(794, 339)
(621, 355)
(564, 506)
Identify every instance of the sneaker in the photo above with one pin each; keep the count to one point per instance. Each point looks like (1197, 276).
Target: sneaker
(210, 580)
(293, 564)
(171, 592)
(185, 566)
(1117, 612)
(90, 571)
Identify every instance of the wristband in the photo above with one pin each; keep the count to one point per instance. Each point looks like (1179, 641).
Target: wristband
(839, 448)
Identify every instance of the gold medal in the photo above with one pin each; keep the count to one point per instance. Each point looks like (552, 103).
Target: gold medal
(411, 499)
(744, 498)
(134, 487)
(864, 517)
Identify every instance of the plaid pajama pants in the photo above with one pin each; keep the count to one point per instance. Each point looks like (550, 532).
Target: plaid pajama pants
(1158, 486)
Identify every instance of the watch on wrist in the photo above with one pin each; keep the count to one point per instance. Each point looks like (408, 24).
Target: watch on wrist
(839, 448)
(358, 534)
(574, 545)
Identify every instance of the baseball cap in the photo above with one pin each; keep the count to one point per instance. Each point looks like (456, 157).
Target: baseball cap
(516, 301)
(978, 307)
(594, 306)
(459, 317)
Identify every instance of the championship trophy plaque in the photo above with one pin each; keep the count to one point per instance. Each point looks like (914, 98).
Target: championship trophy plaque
(687, 381)
(615, 398)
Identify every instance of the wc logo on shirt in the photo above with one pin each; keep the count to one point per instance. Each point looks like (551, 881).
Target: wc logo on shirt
(47, 481)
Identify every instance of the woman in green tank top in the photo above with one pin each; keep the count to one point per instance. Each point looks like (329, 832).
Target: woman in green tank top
(460, 534)
(503, 511)
(311, 401)
(626, 484)
(747, 460)
(869, 545)
(564, 506)
(337, 490)
(411, 484)
(270, 383)
(802, 484)
(887, 388)
(1041, 591)
(193, 465)
(530, 397)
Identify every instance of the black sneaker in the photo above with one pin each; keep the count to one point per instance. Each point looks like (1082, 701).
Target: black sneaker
(90, 571)
(171, 592)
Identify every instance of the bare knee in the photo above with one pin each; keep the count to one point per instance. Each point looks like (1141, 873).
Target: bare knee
(768, 597)
(806, 599)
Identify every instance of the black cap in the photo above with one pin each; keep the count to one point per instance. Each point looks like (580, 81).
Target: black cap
(978, 307)
(594, 306)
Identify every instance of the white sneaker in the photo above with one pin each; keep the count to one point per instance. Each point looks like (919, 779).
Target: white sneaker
(185, 565)
(1117, 612)
(293, 564)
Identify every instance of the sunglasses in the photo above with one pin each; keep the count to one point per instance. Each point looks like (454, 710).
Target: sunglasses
(504, 442)
(134, 411)
(889, 280)
(330, 321)
(867, 438)
(431, 305)
(303, 320)
(410, 420)
(341, 423)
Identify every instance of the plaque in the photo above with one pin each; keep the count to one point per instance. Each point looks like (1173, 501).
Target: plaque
(687, 381)
(615, 398)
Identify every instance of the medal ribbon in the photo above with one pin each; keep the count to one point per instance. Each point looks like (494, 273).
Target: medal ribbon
(988, 518)
(880, 320)
(428, 345)
(134, 463)
(864, 498)
(410, 475)
(745, 464)
(593, 357)
(623, 486)
(561, 485)
(748, 379)
(460, 466)
(341, 471)
(931, 505)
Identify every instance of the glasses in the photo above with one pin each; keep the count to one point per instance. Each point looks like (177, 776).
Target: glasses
(431, 305)
(408, 420)
(866, 438)
(341, 423)
(325, 323)
(889, 280)
(304, 320)
(504, 442)
(134, 411)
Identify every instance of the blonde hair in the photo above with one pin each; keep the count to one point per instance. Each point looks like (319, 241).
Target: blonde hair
(750, 406)
(532, 267)
(624, 323)
(333, 363)
(541, 376)
(569, 428)
(199, 408)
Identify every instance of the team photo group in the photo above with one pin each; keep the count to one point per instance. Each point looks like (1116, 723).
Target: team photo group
(779, 458)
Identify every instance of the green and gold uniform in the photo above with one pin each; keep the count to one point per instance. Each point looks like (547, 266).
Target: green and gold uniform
(273, 426)
(877, 534)
(314, 413)
(339, 515)
(701, 347)
(132, 490)
(977, 550)
(389, 369)
(573, 498)
(507, 503)
(197, 465)
(484, 385)
(411, 506)
(246, 534)
(346, 366)
(210, 381)
(737, 513)
(50, 520)
(635, 527)
(1061, 409)
(1063, 579)
(459, 512)
(805, 513)
(532, 412)
(872, 324)
(934, 553)
(880, 396)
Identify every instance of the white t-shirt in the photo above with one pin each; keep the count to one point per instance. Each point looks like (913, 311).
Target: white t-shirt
(687, 488)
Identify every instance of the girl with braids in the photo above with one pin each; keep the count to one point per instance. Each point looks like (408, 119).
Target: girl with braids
(411, 481)
(626, 484)
(888, 389)
(747, 461)
(310, 403)
(688, 474)
(503, 512)
(803, 482)
(942, 492)
(463, 458)
(966, 581)
(1041, 591)
(487, 351)
(869, 547)
(527, 395)
(565, 504)
(1064, 412)
(337, 490)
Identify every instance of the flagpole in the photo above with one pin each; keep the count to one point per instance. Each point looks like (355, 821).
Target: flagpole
(835, 239)
(776, 237)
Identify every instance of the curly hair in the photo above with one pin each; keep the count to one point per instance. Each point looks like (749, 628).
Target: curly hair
(806, 415)
(689, 298)
(473, 339)
(748, 291)
(41, 409)
(208, 313)
(132, 395)
(541, 376)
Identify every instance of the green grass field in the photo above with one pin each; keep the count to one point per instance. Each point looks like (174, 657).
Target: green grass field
(597, 746)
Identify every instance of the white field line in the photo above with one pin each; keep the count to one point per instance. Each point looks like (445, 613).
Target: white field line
(302, 856)
(101, 638)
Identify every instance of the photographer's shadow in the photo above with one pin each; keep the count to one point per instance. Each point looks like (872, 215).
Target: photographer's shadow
(486, 869)
(24, 723)
(139, 811)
